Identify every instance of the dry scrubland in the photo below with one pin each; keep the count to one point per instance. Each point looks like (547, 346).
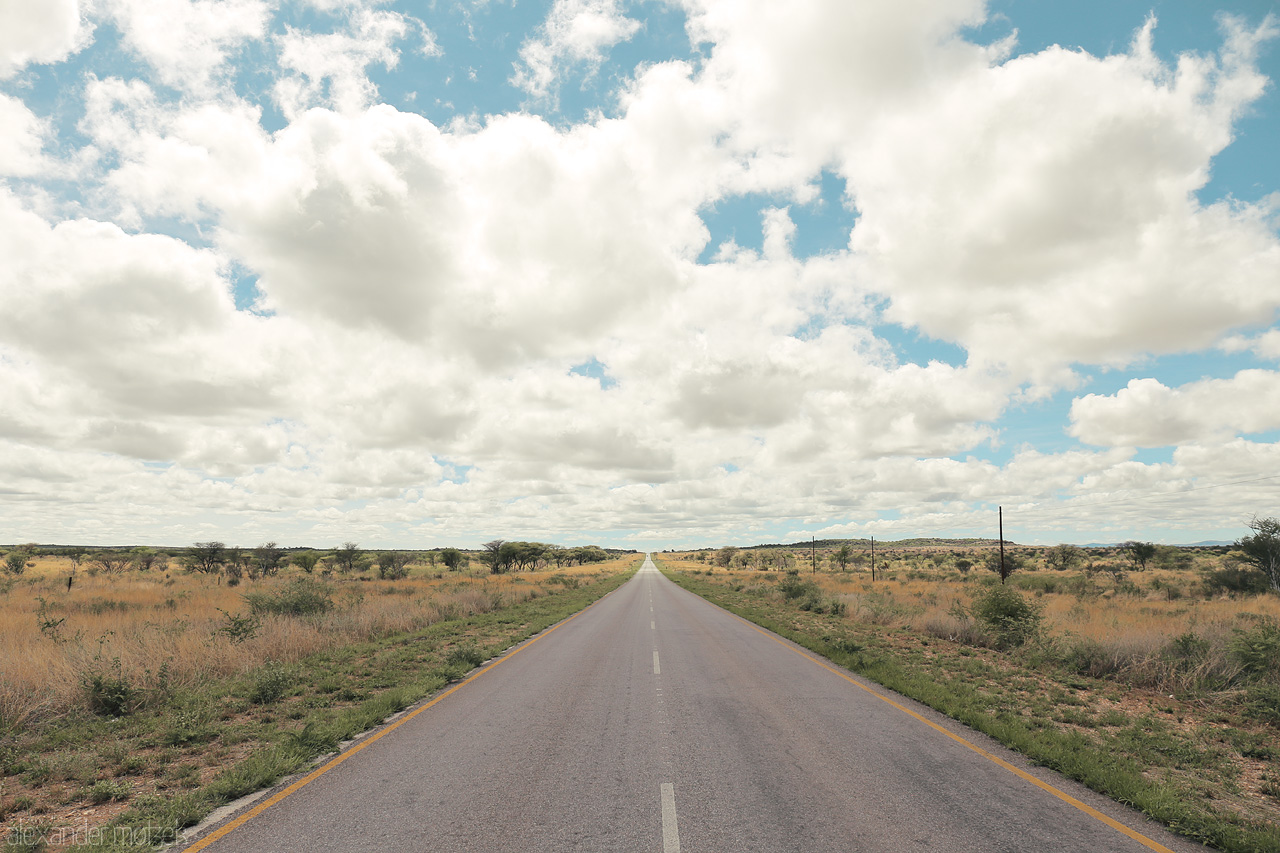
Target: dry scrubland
(140, 686)
(1166, 677)
(170, 628)
(1167, 628)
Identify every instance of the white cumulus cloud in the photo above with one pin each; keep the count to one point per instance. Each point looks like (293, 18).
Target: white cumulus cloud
(576, 32)
(1147, 413)
(44, 31)
(188, 42)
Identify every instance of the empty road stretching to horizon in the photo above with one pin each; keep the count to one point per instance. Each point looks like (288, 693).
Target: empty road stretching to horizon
(655, 721)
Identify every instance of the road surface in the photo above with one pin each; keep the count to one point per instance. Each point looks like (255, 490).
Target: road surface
(654, 721)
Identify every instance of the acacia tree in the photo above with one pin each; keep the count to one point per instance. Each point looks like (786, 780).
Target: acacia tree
(206, 557)
(306, 560)
(145, 559)
(392, 565)
(452, 558)
(1012, 563)
(111, 562)
(270, 556)
(1263, 548)
(346, 556)
(494, 555)
(237, 562)
(843, 555)
(1139, 553)
(1063, 557)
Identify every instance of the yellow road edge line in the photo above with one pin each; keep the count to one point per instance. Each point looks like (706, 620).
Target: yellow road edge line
(231, 826)
(995, 759)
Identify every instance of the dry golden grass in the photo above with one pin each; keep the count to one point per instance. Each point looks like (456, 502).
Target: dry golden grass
(1126, 627)
(169, 626)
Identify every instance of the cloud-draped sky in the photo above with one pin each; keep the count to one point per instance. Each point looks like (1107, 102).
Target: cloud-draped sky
(647, 273)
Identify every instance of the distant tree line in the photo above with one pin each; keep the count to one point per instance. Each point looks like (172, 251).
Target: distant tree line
(503, 556)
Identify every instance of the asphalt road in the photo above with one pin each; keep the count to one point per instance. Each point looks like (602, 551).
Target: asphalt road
(654, 721)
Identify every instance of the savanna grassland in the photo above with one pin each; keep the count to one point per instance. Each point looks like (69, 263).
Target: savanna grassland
(136, 701)
(1157, 685)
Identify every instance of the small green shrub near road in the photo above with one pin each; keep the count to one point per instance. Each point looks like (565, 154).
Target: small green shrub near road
(466, 656)
(110, 692)
(270, 683)
(1007, 615)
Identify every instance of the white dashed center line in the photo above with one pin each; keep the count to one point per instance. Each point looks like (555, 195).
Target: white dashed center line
(670, 832)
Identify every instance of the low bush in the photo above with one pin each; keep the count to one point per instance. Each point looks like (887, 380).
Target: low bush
(1262, 702)
(1007, 615)
(1187, 650)
(302, 597)
(792, 588)
(1257, 650)
(566, 581)
(270, 683)
(239, 628)
(110, 693)
(1235, 580)
(1038, 583)
(107, 791)
(467, 655)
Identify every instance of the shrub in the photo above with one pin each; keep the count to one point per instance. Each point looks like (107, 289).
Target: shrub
(270, 683)
(110, 693)
(393, 565)
(466, 655)
(16, 562)
(567, 581)
(1235, 579)
(1038, 583)
(1258, 650)
(1187, 650)
(1262, 702)
(792, 588)
(107, 791)
(302, 597)
(1007, 615)
(239, 628)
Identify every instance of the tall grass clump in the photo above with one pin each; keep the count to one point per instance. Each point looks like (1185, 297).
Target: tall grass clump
(1257, 650)
(300, 597)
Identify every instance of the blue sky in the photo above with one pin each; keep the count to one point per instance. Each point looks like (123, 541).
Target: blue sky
(647, 274)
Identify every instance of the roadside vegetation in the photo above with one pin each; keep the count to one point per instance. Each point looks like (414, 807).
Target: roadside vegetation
(1149, 673)
(136, 699)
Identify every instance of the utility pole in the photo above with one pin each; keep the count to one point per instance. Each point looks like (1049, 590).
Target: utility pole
(873, 559)
(1002, 574)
